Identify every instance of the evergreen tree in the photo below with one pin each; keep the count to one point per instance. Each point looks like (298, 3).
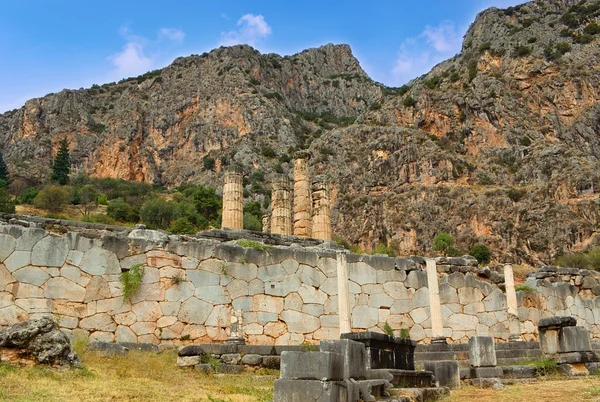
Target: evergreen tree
(62, 164)
(3, 170)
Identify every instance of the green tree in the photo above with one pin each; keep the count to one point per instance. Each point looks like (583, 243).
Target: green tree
(481, 252)
(183, 226)
(52, 198)
(61, 167)
(122, 211)
(442, 242)
(251, 222)
(158, 213)
(4, 171)
(207, 203)
(87, 199)
(7, 204)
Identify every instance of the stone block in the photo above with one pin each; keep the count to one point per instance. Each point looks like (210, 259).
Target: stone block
(252, 360)
(256, 349)
(354, 356)
(495, 383)
(574, 339)
(313, 391)
(231, 358)
(272, 362)
(447, 373)
(519, 372)
(50, 251)
(111, 349)
(549, 341)
(191, 350)
(557, 322)
(188, 361)
(231, 368)
(323, 366)
(486, 372)
(482, 352)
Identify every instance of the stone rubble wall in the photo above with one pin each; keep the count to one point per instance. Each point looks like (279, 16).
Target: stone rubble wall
(288, 293)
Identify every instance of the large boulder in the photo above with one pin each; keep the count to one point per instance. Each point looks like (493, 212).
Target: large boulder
(40, 340)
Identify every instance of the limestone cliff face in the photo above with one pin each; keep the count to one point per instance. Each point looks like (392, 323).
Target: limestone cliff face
(499, 144)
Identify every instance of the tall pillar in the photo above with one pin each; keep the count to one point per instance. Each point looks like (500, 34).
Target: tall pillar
(233, 200)
(302, 197)
(281, 206)
(435, 307)
(266, 223)
(343, 293)
(321, 225)
(514, 325)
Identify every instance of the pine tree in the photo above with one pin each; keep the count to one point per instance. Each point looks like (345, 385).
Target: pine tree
(3, 171)
(62, 164)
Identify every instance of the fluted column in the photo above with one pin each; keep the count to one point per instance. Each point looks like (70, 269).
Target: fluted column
(321, 227)
(281, 206)
(302, 197)
(233, 200)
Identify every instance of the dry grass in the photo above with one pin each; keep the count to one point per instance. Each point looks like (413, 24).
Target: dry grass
(135, 377)
(580, 390)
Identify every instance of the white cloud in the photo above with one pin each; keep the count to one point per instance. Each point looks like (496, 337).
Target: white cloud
(139, 54)
(172, 33)
(251, 29)
(418, 55)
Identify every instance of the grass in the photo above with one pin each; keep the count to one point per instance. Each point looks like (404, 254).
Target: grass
(135, 377)
(578, 389)
(253, 244)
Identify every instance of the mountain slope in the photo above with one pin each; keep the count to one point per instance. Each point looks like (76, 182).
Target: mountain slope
(499, 144)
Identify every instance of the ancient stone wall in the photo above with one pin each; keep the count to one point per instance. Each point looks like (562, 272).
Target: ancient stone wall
(287, 293)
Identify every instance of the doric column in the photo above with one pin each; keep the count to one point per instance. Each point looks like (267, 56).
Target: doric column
(321, 228)
(302, 196)
(281, 206)
(514, 325)
(435, 307)
(233, 200)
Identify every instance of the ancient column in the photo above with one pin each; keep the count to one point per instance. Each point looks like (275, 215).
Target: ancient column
(302, 197)
(281, 206)
(321, 225)
(343, 293)
(514, 325)
(236, 329)
(266, 223)
(233, 200)
(435, 307)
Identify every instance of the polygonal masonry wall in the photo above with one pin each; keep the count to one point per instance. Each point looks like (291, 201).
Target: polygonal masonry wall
(288, 294)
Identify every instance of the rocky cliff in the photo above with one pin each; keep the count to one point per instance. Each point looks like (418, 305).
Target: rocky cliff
(499, 144)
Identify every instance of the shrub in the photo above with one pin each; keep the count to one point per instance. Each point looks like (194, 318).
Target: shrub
(472, 68)
(592, 28)
(157, 213)
(207, 203)
(433, 82)
(208, 163)
(481, 252)
(593, 257)
(544, 367)
(268, 152)
(131, 280)
(251, 222)
(99, 218)
(7, 204)
(583, 39)
(183, 226)
(516, 195)
(409, 101)
(442, 242)
(576, 260)
(524, 287)
(522, 51)
(122, 211)
(52, 197)
(375, 106)
(3, 170)
(388, 329)
(252, 244)
(383, 249)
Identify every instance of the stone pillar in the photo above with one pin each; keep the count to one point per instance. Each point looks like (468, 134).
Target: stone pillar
(233, 200)
(266, 223)
(321, 225)
(435, 307)
(511, 300)
(236, 329)
(343, 293)
(281, 206)
(302, 197)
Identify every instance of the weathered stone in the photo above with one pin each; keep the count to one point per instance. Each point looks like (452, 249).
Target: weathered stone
(147, 311)
(7, 246)
(245, 272)
(416, 280)
(470, 295)
(124, 334)
(362, 273)
(18, 259)
(300, 322)
(364, 317)
(220, 316)
(99, 322)
(35, 306)
(51, 251)
(252, 360)
(287, 286)
(323, 366)
(421, 298)
(195, 311)
(97, 261)
(482, 351)
(447, 373)
(272, 273)
(188, 361)
(213, 294)
(31, 275)
(28, 239)
(267, 304)
(62, 288)
(310, 295)
(574, 339)
(419, 315)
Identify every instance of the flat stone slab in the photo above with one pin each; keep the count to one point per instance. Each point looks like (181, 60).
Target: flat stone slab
(446, 373)
(486, 372)
(323, 366)
(482, 352)
(557, 322)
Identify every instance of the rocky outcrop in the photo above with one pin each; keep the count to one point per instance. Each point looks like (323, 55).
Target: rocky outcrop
(498, 145)
(38, 340)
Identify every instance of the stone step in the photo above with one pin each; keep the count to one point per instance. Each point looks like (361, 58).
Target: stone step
(412, 379)
(419, 394)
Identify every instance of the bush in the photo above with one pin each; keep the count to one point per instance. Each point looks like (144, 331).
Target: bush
(251, 222)
(481, 252)
(157, 213)
(132, 280)
(52, 197)
(207, 203)
(183, 226)
(409, 101)
(442, 242)
(99, 218)
(120, 210)
(268, 152)
(576, 260)
(516, 195)
(208, 163)
(592, 28)
(7, 204)
(522, 51)
(383, 249)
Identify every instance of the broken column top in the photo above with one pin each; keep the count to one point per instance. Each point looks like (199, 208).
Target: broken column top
(557, 322)
(233, 170)
(280, 182)
(302, 155)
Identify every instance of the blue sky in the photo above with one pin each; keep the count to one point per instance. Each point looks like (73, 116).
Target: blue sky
(48, 45)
